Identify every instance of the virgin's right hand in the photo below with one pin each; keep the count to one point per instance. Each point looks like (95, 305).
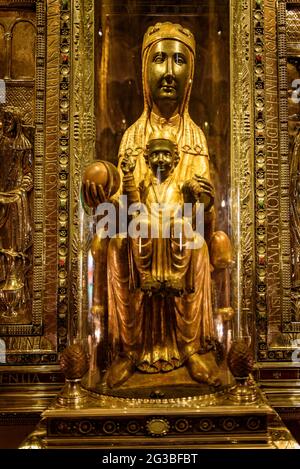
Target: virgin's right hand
(93, 194)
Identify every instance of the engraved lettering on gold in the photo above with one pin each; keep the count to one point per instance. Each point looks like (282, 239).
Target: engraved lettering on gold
(19, 378)
(52, 133)
(272, 169)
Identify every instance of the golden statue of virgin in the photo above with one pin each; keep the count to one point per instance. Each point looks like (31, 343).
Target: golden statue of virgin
(168, 323)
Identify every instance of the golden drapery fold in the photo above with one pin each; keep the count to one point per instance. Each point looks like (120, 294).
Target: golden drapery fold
(158, 332)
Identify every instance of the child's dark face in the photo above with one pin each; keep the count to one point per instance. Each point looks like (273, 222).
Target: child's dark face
(161, 158)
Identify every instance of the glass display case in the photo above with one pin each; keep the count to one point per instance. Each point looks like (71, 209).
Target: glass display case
(158, 316)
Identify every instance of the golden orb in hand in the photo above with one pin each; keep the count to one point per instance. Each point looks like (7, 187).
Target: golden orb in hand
(103, 173)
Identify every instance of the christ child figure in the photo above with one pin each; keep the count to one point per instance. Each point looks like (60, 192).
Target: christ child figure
(160, 247)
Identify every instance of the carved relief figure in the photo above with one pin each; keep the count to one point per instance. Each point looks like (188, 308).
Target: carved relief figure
(173, 326)
(16, 183)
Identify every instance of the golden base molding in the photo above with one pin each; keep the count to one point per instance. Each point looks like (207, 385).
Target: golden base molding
(280, 382)
(207, 421)
(279, 372)
(27, 391)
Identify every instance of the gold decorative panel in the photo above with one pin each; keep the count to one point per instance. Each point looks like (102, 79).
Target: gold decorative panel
(268, 288)
(16, 184)
(83, 146)
(241, 98)
(22, 97)
(292, 24)
(34, 78)
(276, 324)
(292, 74)
(23, 51)
(2, 51)
(17, 171)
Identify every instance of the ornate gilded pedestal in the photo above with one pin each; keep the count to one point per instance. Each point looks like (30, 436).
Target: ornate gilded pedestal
(207, 421)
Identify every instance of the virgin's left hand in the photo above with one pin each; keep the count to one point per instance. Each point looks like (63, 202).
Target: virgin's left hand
(205, 191)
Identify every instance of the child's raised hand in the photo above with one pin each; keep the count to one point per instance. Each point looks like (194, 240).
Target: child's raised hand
(128, 164)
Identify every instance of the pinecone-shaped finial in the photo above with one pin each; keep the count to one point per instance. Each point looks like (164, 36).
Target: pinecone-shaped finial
(74, 362)
(240, 359)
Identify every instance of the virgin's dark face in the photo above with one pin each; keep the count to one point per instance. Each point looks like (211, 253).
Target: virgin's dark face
(169, 69)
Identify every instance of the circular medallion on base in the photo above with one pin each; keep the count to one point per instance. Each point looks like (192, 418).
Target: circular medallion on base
(158, 426)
